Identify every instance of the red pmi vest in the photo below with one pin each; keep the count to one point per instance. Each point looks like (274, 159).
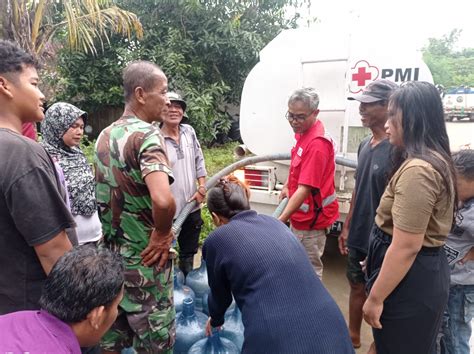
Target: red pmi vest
(319, 210)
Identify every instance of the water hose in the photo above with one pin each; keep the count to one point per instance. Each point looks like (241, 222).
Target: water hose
(235, 166)
(280, 207)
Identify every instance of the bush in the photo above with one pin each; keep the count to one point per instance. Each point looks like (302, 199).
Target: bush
(87, 146)
(216, 159)
(206, 48)
(207, 227)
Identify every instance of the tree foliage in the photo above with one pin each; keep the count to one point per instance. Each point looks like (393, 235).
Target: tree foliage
(82, 24)
(206, 48)
(450, 67)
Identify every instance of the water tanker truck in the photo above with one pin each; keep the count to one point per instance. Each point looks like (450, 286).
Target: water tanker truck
(337, 64)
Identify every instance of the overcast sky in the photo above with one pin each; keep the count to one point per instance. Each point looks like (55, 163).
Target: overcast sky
(414, 20)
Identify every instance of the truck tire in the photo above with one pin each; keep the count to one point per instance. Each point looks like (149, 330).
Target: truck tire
(471, 117)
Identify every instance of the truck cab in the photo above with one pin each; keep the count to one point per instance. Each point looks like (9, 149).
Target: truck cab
(458, 103)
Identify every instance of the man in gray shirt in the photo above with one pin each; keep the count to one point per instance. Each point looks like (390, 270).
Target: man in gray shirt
(373, 167)
(187, 163)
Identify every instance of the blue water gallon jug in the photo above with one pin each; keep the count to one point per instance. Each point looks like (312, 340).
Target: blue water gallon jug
(215, 344)
(180, 275)
(205, 304)
(180, 293)
(233, 328)
(190, 327)
(197, 280)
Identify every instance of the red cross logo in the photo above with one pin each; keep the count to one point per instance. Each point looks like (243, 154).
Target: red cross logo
(361, 76)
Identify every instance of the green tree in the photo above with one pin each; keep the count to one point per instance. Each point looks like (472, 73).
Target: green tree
(206, 48)
(82, 24)
(450, 67)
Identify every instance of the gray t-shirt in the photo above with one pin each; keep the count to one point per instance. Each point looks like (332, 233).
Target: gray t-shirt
(460, 240)
(32, 212)
(187, 163)
(373, 167)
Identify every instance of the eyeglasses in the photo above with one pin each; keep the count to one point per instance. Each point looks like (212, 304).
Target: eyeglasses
(299, 117)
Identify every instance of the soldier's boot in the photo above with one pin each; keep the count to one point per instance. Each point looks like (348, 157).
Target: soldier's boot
(186, 265)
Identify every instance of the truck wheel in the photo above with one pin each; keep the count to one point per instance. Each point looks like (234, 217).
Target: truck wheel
(471, 117)
(448, 118)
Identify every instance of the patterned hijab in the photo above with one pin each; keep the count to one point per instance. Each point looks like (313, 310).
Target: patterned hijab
(77, 172)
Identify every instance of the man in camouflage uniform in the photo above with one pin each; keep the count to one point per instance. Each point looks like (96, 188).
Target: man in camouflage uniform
(137, 209)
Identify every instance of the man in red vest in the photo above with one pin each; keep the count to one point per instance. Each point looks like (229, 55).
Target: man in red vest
(312, 206)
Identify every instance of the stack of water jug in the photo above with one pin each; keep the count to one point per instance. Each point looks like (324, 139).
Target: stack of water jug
(190, 299)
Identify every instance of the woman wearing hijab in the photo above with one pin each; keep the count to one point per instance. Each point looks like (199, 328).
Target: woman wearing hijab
(62, 131)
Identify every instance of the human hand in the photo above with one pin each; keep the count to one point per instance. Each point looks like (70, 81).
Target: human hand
(198, 197)
(468, 257)
(284, 221)
(372, 311)
(342, 241)
(283, 193)
(209, 327)
(157, 250)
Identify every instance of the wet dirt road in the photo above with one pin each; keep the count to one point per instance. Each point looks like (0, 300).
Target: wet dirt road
(334, 278)
(461, 134)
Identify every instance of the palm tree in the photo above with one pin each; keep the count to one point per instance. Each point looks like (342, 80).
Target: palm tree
(84, 24)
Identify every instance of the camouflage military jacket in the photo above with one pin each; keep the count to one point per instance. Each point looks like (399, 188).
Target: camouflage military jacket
(125, 153)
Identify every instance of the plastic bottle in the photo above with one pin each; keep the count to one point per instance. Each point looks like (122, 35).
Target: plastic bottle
(205, 305)
(214, 344)
(180, 275)
(180, 293)
(190, 327)
(233, 328)
(197, 280)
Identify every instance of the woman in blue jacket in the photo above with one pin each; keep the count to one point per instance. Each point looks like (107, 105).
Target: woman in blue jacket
(255, 258)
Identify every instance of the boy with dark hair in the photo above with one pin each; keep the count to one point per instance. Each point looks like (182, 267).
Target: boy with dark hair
(460, 251)
(33, 213)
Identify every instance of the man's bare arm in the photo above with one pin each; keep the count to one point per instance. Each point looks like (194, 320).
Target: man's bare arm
(342, 240)
(200, 194)
(49, 252)
(301, 193)
(163, 210)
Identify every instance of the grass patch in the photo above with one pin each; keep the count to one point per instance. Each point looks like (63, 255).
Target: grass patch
(216, 159)
(219, 157)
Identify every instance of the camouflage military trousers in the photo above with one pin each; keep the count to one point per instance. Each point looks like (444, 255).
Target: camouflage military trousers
(146, 319)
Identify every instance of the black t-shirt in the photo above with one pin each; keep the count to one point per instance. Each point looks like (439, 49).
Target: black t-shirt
(32, 211)
(373, 168)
